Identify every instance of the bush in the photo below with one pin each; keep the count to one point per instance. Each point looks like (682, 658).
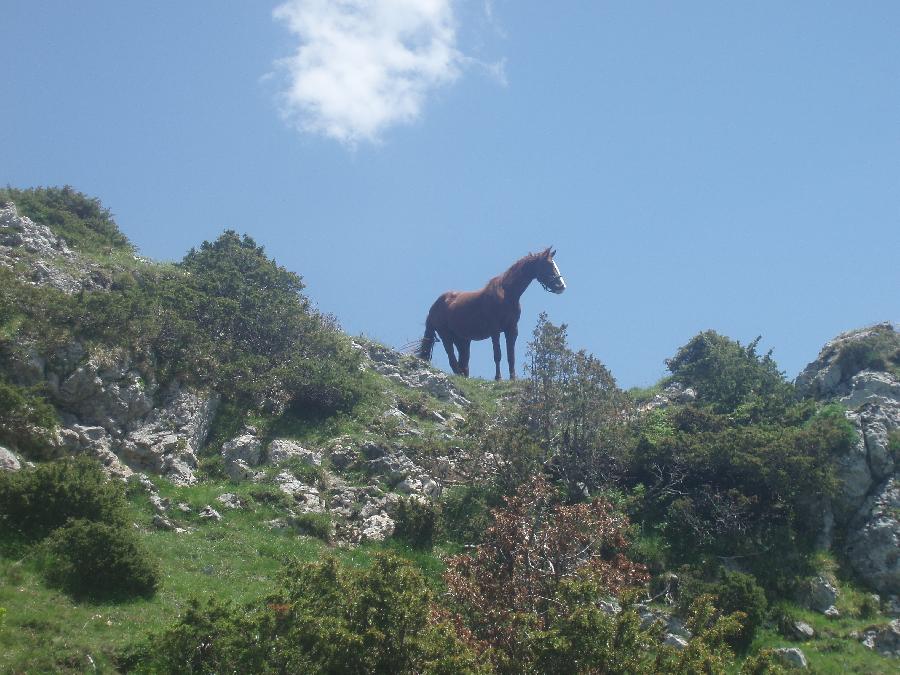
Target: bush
(97, 560)
(35, 502)
(27, 421)
(313, 524)
(81, 220)
(323, 618)
(466, 511)
(732, 378)
(575, 412)
(739, 592)
(417, 522)
(510, 583)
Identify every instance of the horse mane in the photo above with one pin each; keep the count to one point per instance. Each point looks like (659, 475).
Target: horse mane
(515, 269)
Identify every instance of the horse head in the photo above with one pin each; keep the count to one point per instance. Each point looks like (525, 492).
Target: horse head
(547, 273)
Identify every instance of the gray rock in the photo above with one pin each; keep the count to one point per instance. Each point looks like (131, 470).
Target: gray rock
(675, 641)
(885, 639)
(162, 523)
(231, 501)
(409, 371)
(827, 377)
(246, 448)
(376, 527)
(281, 450)
(209, 513)
(239, 471)
(791, 657)
(832, 612)
(802, 630)
(161, 504)
(308, 498)
(873, 546)
(819, 594)
(8, 461)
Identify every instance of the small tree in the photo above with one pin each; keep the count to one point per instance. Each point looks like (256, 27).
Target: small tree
(511, 581)
(574, 409)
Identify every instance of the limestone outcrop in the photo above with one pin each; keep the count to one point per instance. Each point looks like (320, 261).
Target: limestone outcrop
(852, 370)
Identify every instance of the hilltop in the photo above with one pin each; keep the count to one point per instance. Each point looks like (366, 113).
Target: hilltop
(235, 447)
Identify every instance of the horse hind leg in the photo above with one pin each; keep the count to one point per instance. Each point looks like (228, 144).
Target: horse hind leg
(464, 347)
(447, 341)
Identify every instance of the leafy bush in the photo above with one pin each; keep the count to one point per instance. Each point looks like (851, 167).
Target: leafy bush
(97, 560)
(507, 586)
(323, 618)
(739, 592)
(417, 522)
(313, 524)
(730, 377)
(465, 511)
(740, 490)
(35, 502)
(26, 419)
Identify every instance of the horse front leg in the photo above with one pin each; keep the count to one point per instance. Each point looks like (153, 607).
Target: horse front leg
(464, 346)
(511, 336)
(495, 340)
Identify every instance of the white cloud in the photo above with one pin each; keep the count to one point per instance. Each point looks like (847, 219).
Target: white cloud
(364, 65)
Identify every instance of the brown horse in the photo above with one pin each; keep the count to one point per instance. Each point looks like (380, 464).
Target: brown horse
(459, 317)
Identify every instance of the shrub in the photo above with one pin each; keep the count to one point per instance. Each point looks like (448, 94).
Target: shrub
(730, 377)
(739, 592)
(417, 522)
(323, 618)
(26, 419)
(465, 511)
(35, 502)
(507, 586)
(574, 410)
(81, 220)
(313, 524)
(97, 560)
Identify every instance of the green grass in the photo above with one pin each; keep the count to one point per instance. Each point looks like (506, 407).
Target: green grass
(238, 559)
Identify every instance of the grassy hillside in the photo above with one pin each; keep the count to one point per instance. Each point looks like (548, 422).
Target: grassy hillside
(697, 503)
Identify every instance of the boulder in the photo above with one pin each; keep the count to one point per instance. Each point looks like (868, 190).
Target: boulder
(409, 371)
(231, 501)
(308, 498)
(819, 594)
(885, 639)
(280, 450)
(246, 448)
(792, 657)
(209, 513)
(873, 545)
(800, 630)
(239, 471)
(8, 460)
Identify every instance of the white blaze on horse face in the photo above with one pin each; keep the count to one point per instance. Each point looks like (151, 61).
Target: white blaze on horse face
(560, 286)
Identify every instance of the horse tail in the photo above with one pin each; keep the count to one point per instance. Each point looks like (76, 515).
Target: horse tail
(426, 346)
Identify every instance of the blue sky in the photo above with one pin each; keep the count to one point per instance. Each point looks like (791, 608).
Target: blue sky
(733, 166)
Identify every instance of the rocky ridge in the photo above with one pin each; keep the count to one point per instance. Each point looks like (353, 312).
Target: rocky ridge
(868, 501)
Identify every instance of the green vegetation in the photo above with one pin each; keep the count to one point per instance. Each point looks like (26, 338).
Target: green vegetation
(565, 497)
(81, 220)
(93, 560)
(27, 420)
(35, 502)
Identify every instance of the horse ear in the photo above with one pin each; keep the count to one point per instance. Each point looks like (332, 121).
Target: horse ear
(553, 253)
(546, 253)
